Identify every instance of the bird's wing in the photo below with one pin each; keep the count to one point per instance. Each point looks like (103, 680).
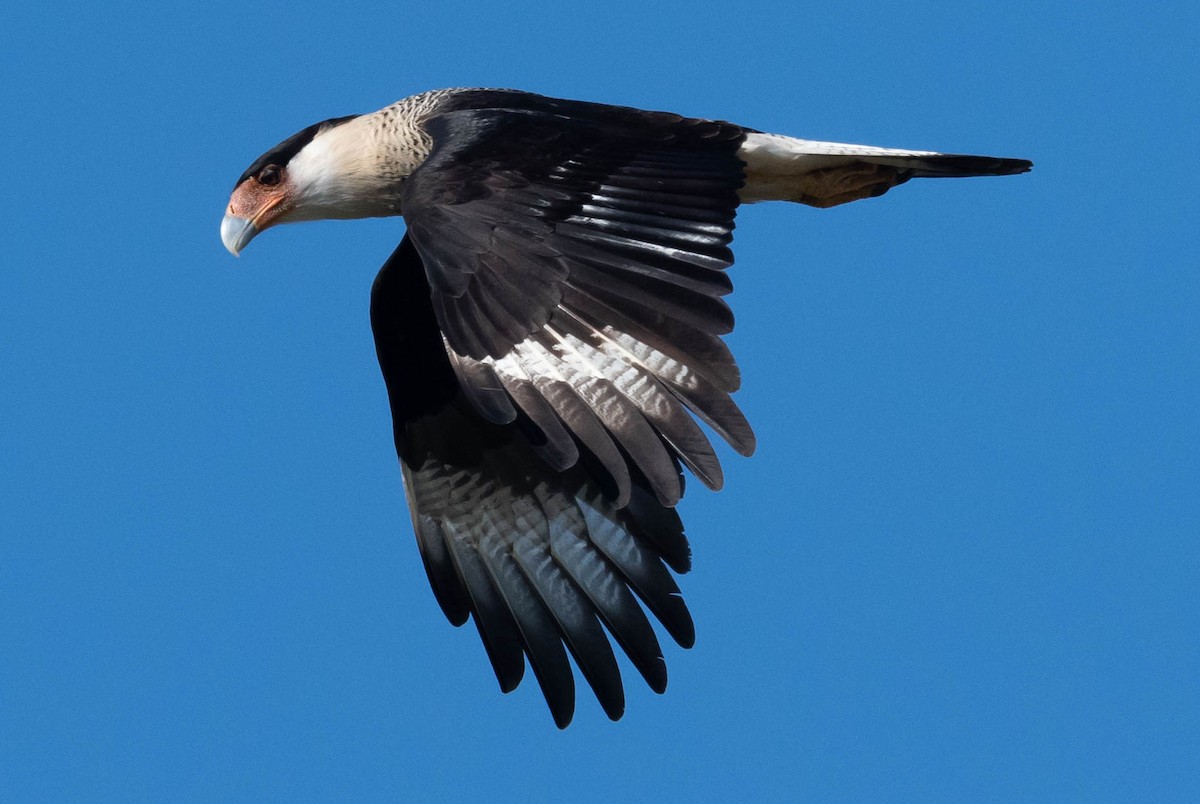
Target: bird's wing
(539, 558)
(576, 258)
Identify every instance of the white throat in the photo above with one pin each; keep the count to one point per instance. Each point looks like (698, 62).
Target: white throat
(344, 173)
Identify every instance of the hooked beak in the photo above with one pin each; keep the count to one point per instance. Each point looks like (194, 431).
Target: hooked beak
(253, 208)
(236, 232)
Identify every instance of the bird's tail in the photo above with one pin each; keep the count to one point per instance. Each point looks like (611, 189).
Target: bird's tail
(825, 174)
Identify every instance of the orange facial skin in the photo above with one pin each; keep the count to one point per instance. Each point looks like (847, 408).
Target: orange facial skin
(259, 203)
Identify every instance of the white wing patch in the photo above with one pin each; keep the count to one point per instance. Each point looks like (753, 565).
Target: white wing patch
(588, 375)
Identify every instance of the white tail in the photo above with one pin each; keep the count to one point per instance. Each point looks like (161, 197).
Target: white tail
(825, 174)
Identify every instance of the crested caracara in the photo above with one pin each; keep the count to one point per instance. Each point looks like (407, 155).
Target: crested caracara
(549, 331)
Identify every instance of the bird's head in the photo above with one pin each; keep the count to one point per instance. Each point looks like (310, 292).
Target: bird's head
(331, 169)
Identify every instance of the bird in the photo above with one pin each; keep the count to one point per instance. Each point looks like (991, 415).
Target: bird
(550, 333)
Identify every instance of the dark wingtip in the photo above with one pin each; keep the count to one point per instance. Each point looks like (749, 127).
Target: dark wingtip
(563, 715)
(508, 684)
(615, 710)
(685, 634)
(656, 678)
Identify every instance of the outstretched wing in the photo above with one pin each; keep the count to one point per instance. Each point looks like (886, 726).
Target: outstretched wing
(576, 256)
(543, 560)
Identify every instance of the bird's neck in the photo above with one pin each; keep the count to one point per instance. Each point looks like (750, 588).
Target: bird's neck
(351, 171)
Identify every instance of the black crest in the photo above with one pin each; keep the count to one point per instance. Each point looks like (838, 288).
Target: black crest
(282, 153)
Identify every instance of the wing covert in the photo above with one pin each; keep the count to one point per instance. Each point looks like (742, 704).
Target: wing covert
(511, 203)
(576, 259)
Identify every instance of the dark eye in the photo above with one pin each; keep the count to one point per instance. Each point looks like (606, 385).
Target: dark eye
(270, 175)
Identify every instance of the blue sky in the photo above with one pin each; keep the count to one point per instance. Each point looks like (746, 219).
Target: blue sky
(962, 565)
